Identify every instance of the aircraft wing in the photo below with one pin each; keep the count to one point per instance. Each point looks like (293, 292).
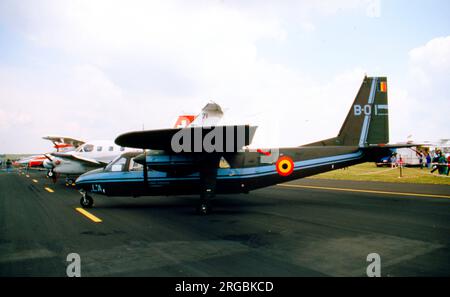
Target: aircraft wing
(164, 139)
(85, 161)
(63, 139)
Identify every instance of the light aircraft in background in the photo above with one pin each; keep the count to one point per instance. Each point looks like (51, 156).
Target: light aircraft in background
(98, 153)
(165, 170)
(61, 144)
(90, 155)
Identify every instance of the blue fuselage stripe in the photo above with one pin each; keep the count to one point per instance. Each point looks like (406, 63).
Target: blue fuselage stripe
(222, 174)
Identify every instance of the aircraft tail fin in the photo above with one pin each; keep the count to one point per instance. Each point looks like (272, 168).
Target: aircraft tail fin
(367, 122)
(184, 121)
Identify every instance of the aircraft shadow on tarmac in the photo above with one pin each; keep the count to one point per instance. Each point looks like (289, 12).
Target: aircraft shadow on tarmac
(223, 205)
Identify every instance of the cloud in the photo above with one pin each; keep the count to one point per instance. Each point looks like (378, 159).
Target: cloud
(430, 64)
(421, 104)
(101, 68)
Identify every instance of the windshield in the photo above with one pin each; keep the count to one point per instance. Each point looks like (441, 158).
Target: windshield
(117, 164)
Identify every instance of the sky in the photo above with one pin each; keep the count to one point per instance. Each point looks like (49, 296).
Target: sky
(93, 69)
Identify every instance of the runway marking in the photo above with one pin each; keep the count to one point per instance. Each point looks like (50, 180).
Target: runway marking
(49, 190)
(365, 191)
(88, 215)
(27, 175)
(35, 180)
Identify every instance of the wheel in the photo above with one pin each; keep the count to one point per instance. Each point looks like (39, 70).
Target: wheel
(204, 208)
(86, 201)
(50, 173)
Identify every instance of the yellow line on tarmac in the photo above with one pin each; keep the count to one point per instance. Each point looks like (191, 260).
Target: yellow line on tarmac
(49, 190)
(27, 175)
(88, 215)
(365, 191)
(35, 180)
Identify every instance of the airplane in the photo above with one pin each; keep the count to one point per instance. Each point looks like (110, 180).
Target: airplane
(98, 153)
(198, 170)
(90, 155)
(61, 144)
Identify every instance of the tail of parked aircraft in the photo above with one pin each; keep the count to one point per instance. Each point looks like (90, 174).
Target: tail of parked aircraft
(210, 115)
(184, 120)
(367, 121)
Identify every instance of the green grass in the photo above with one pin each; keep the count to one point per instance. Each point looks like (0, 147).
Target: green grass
(369, 172)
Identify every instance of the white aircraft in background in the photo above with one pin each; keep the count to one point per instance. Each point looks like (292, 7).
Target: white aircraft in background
(61, 144)
(96, 154)
(91, 155)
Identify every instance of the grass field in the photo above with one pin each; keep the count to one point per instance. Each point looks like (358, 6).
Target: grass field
(369, 172)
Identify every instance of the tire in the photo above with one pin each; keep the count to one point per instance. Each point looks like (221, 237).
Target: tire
(86, 202)
(50, 173)
(204, 209)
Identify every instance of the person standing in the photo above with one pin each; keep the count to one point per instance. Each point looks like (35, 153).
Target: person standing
(8, 165)
(420, 156)
(428, 158)
(393, 161)
(442, 164)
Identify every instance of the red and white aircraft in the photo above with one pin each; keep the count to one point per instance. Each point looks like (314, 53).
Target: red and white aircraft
(61, 144)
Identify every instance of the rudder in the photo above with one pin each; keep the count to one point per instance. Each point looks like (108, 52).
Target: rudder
(367, 121)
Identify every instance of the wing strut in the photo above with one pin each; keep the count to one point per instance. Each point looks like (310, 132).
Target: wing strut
(208, 180)
(145, 170)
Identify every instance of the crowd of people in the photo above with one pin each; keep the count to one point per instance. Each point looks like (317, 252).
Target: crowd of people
(435, 161)
(8, 164)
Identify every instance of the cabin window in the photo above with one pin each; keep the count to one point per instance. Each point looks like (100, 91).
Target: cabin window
(99, 148)
(88, 148)
(111, 148)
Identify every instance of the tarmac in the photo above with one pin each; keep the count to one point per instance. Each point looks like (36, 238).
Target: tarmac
(304, 228)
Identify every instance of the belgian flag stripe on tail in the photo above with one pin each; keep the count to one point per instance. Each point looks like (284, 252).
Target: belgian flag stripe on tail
(382, 87)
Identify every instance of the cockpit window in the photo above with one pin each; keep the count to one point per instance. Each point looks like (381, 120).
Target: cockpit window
(111, 148)
(122, 148)
(99, 148)
(134, 166)
(117, 165)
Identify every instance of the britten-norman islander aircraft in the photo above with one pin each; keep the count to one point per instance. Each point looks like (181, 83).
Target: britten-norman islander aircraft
(205, 167)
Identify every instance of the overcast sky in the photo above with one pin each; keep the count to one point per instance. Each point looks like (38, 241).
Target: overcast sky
(95, 69)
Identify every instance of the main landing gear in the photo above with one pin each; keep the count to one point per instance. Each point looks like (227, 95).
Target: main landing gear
(86, 201)
(208, 179)
(204, 208)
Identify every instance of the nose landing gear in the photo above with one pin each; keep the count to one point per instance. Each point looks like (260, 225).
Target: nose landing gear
(86, 201)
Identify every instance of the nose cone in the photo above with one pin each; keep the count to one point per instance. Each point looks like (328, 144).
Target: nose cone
(47, 164)
(87, 178)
